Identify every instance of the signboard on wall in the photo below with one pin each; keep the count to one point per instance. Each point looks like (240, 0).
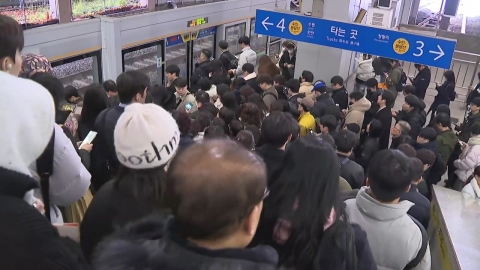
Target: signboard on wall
(430, 51)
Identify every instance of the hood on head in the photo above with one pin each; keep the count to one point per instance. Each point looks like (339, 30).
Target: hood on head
(361, 105)
(19, 117)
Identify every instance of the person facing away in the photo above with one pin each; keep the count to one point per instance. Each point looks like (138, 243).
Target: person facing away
(27, 126)
(385, 101)
(215, 216)
(446, 138)
(202, 69)
(266, 66)
(304, 229)
(277, 130)
(421, 208)
(132, 88)
(94, 102)
(470, 157)
(339, 94)
(69, 180)
(247, 56)
(226, 56)
(378, 209)
(146, 137)
(371, 145)
(306, 84)
(345, 141)
(356, 112)
(445, 92)
(393, 77)
(306, 121)
(364, 71)
(421, 80)
(372, 93)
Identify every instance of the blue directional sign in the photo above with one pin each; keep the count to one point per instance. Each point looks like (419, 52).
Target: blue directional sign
(430, 51)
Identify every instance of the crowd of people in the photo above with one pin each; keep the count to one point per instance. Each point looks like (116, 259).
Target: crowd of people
(238, 168)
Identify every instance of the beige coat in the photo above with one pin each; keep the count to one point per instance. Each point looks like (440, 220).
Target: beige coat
(307, 87)
(357, 112)
(183, 101)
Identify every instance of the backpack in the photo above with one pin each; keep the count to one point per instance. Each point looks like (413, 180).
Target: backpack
(269, 93)
(453, 95)
(402, 81)
(232, 59)
(423, 249)
(73, 213)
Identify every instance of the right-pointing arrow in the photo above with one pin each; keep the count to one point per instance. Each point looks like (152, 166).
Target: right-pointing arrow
(440, 53)
(265, 23)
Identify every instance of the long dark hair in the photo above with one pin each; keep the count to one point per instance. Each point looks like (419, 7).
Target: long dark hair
(305, 193)
(450, 77)
(476, 172)
(94, 102)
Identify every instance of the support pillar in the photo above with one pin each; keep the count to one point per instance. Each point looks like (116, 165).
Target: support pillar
(405, 11)
(325, 62)
(111, 48)
(413, 12)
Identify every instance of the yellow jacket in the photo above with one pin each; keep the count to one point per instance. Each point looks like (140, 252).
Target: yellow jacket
(306, 122)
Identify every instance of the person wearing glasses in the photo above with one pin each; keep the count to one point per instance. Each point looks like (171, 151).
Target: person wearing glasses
(216, 205)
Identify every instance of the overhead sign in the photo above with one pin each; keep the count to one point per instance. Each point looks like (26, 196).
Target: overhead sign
(430, 51)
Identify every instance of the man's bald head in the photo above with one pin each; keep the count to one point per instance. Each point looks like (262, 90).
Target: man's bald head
(213, 186)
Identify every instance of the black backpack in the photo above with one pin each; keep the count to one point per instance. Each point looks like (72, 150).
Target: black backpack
(402, 81)
(45, 170)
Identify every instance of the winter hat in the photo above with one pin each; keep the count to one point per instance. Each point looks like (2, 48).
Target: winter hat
(35, 63)
(320, 86)
(146, 136)
(27, 123)
(307, 101)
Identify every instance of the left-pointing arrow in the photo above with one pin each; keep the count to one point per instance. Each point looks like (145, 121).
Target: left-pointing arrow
(440, 53)
(265, 23)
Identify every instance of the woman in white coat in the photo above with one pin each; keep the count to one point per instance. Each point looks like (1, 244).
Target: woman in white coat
(364, 71)
(473, 184)
(469, 159)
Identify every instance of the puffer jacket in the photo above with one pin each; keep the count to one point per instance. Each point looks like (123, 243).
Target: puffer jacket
(446, 142)
(473, 189)
(357, 111)
(365, 69)
(469, 159)
(306, 88)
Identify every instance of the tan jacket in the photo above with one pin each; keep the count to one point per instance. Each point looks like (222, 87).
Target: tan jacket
(307, 87)
(357, 112)
(183, 101)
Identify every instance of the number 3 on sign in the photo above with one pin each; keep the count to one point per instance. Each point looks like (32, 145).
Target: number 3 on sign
(281, 24)
(419, 48)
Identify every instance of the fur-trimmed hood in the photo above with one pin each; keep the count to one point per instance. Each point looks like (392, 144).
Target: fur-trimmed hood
(155, 243)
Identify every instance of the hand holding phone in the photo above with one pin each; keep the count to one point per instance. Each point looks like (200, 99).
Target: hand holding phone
(88, 140)
(188, 106)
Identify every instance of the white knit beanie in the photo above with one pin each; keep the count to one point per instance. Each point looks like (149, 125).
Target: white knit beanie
(146, 136)
(27, 116)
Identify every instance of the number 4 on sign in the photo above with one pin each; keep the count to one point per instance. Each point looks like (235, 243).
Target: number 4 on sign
(281, 24)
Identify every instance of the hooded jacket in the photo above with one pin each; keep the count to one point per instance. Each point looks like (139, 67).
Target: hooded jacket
(183, 101)
(157, 245)
(306, 88)
(365, 69)
(472, 188)
(356, 113)
(446, 141)
(388, 221)
(469, 159)
(247, 56)
(201, 71)
(270, 96)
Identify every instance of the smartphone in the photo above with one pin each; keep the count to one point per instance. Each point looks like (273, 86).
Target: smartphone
(89, 139)
(188, 106)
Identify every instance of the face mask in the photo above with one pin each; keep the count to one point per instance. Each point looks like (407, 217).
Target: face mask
(290, 51)
(283, 48)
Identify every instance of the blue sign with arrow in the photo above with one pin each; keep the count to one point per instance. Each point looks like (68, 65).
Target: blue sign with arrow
(430, 51)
